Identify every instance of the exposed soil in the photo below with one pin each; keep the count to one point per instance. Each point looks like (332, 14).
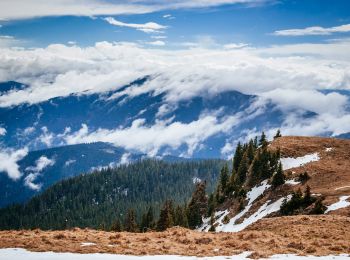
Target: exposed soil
(304, 235)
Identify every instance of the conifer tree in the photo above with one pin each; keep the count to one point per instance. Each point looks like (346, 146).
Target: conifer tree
(117, 226)
(180, 218)
(278, 178)
(250, 151)
(319, 208)
(242, 170)
(211, 204)
(166, 216)
(130, 221)
(224, 179)
(262, 140)
(307, 199)
(278, 134)
(237, 157)
(147, 221)
(197, 206)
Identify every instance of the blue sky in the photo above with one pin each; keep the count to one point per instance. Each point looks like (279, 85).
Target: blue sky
(253, 24)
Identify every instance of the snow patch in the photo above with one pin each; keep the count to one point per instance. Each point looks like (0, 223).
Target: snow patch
(292, 182)
(289, 162)
(262, 212)
(252, 195)
(343, 187)
(196, 180)
(87, 244)
(329, 149)
(342, 203)
(22, 254)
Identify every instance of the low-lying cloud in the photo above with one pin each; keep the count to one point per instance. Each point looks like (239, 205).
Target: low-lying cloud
(8, 162)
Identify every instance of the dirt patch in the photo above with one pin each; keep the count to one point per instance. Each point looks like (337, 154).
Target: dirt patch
(316, 235)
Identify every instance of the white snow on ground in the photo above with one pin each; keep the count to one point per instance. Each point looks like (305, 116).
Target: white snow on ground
(340, 188)
(289, 163)
(262, 212)
(292, 182)
(342, 203)
(196, 180)
(329, 149)
(252, 195)
(87, 244)
(22, 254)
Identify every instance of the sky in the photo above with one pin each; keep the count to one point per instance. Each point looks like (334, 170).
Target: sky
(178, 24)
(292, 53)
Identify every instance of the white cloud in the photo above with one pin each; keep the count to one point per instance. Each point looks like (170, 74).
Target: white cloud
(149, 27)
(149, 139)
(42, 163)
(8, 41)
(235, 45)
(9, 9)
(2, 131)
(168, 16)
(8, 162)
(156, 43)
(314, 30)
(292, 76)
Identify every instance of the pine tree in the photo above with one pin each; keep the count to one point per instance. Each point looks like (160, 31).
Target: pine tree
(147, 221)
(237, 157)
(242, 170)
(263, 141)
(278, 178)
(130, 221)
(250, 151)
(197, 206)
(307, 199)
(224, 179)
(180, 218)
(211, 204)
(166, 217)
(278, 134)
(117, 226)
(319, 208)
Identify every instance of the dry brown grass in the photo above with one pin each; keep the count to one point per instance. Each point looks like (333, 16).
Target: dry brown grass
(330, 176)
(316, 235)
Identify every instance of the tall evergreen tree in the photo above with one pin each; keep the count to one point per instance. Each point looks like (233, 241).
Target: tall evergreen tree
(242, 170)
(166, 217)
(237, 157)
(224, 179)
(263, 140)
(117, 226)
(278, 178)
(278, 134)
(130, 221)
(197, 206)
(147, 221)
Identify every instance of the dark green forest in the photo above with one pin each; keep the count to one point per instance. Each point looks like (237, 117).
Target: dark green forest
(98, 199)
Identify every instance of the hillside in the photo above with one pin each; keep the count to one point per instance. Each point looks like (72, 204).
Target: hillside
(326, 161)
(255, 220)
(98, 199)
(42, 168)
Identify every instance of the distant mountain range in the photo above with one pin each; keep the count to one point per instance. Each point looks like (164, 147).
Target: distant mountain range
(53, 132)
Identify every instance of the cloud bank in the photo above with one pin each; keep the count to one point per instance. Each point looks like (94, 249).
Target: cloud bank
(314, 30)
(297, 78)
(9, 9)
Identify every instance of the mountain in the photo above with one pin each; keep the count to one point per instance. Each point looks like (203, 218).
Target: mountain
(317, 182)
(45, 167)
(49, 123)
(97, 199)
